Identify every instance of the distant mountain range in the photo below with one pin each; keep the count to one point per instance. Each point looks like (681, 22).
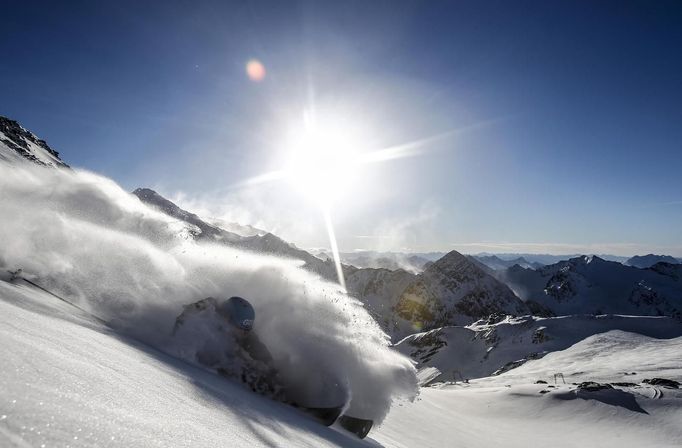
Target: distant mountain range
(546, 259)
(496, 263)
(417, 262)
(595, 286)
(646, 261)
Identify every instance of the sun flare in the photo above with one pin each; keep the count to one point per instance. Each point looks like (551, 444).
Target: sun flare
(322, 160)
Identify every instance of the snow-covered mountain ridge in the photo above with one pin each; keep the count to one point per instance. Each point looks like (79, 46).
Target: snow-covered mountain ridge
(265, 244)
(596, 286)
(484, 349)
(17, 143)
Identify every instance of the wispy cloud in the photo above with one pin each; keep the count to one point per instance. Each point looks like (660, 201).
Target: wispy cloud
(620, 249)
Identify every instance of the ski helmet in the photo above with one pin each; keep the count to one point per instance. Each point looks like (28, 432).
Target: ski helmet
(239, 312)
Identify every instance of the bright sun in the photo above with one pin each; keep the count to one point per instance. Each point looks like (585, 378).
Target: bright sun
(322, 160)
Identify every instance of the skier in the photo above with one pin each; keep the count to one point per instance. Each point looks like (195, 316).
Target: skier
(218, 334)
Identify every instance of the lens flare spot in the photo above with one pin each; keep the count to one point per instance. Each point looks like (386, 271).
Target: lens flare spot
(255, 70)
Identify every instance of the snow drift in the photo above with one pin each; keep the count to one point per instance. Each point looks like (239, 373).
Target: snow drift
(83, 237)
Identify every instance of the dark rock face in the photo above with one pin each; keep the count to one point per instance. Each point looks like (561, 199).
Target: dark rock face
(455, 287)
(591, 386)
(519, 362)
(427, 345)
(19, 139)
(540, 336)
(672, 384)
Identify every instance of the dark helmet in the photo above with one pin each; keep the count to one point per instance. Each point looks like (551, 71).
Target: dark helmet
(238, 311)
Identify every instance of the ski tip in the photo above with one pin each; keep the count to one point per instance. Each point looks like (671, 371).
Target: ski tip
(326, 416)
(358, 426)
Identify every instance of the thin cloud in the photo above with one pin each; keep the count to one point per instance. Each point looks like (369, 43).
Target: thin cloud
(621, 249)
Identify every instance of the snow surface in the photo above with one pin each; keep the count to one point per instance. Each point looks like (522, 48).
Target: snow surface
(509, 410)
(66, 380)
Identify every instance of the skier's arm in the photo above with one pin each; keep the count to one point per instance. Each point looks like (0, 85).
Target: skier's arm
(257, 349)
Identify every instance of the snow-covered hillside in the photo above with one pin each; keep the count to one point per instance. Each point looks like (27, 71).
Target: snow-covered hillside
(510, 410)
(67, 380)
(263, 243)
(596, 286)
(485, 349)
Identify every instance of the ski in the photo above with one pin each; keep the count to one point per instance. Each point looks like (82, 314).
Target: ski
(326, 416)
(358, 426)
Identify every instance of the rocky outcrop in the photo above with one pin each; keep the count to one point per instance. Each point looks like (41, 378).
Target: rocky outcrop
(17, 143)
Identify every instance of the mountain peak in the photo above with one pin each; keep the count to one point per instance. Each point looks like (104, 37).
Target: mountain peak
(17, 143)
(450, 258)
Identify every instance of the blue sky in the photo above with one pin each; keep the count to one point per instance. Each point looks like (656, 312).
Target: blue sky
(562, 120)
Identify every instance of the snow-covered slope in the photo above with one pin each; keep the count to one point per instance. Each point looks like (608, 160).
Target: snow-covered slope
(595, 286)
(66, 380)
(239, 229)
(264, 243)
(509, 410)
(18, 144)
(201, 229)
(647, 261)
(484, 349)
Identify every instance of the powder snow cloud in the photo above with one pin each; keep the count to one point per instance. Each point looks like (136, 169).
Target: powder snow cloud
(82, 236)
